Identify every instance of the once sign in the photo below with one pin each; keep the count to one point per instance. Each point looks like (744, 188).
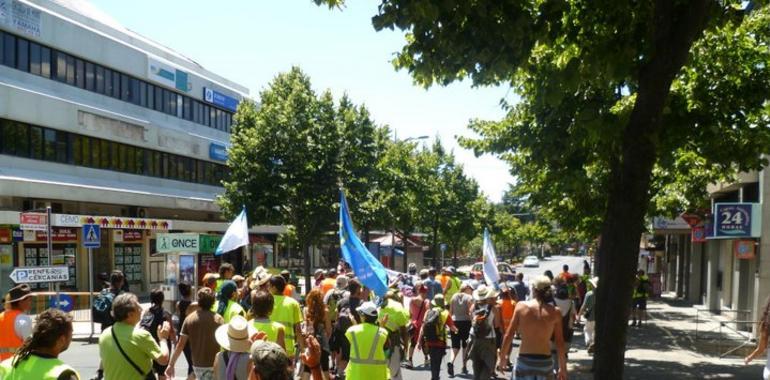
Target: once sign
(177, 243)
(27, 275)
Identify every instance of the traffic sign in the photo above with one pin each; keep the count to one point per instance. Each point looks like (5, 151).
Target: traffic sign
(65, 303)
(92, 236)
(27, 275)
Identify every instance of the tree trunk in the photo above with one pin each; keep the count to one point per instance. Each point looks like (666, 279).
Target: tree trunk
(675, 28)
(404, 242)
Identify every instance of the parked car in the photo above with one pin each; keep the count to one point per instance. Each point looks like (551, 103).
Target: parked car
(506, 271)
(531, 261)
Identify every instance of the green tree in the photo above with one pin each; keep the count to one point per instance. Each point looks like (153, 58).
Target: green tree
(284, 160)
(362, 145)
(609, 91)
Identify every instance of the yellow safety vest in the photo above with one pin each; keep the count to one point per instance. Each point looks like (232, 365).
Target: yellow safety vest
(218, 286)
(270, 328)
(283, 313)
(367, 339)
(232, 309)
(637, 293)
(35, 367)
(395, 312)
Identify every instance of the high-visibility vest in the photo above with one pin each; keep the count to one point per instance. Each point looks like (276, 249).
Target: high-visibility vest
(9, 341)
(232, 309)
(367, 352)
(506, 312)
(454, 287)
(641, 294)
(392, 309)
(270, 329)
(34, 367)
(219, 285)
(283, 313)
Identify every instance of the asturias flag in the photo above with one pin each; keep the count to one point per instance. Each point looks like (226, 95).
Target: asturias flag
(491, 275)
(237, 234)
(367, 268)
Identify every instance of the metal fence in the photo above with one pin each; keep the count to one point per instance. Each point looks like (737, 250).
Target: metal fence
(81, 308)
(731, 333)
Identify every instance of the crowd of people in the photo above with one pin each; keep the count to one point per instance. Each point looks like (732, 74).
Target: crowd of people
(258, 326)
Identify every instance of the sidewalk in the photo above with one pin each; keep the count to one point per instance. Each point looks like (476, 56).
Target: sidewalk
(666, 348)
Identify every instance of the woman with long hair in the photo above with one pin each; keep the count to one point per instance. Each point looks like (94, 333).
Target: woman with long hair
(226, 305)
(764, 330)
(317, 324)
(38, 357)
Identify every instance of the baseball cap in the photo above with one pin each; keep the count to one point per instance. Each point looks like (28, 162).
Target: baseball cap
(368, 308)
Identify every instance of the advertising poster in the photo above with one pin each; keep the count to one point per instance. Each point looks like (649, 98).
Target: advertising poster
(187, 269)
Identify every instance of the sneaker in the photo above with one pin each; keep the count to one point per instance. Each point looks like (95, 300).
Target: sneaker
(464, 370)
(633, 323)
(450, 369)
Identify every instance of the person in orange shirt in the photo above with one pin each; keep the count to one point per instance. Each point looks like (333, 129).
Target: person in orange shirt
(329, 282)
(288, 291)
(565, 274)
(15, 324)
(507, 305)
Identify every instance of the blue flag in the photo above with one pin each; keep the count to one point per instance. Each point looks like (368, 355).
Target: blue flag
(367, 268)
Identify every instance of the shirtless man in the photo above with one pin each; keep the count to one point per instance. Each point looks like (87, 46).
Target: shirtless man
(536, 322)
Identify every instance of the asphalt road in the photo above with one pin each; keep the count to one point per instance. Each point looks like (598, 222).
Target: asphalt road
(84, 357)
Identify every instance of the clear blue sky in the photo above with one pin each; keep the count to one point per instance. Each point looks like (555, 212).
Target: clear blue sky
(250, 42)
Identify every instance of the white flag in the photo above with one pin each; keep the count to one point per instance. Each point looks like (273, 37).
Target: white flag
(491, 275)
(237, 235)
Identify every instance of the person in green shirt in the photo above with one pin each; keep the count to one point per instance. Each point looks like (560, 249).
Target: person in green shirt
(226, 272)
(287, 312)
(394, 318)
(127, 352)
(226, 304)
(38, 357)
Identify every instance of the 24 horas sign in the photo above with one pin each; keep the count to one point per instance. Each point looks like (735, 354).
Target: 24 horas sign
(736, 220)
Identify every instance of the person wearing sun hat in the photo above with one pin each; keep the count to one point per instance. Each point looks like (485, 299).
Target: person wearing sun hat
(15, 324)
(537, 321)
(487, 323)
(235, 339)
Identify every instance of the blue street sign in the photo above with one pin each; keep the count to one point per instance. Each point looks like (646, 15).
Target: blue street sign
(92, 236)
(219, 99)
(66, 303)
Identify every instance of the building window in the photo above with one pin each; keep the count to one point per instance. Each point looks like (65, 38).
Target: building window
(124, 89)
(90, 76)
(15, 138)
(22, 54)
(158, 99)
(105, 154)
(80, 73)
(96, 154)
(45, 62)
(61, 66)
(36, 143)
(9, 49)
(142, 94)
(99, 79)
(34, 58)
(133, 95)
(70, 60)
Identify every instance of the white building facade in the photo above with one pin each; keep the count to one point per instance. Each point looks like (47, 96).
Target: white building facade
(106, 126)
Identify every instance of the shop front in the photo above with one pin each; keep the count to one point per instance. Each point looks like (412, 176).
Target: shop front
(9, 235)
(183, 257)
(64, 248)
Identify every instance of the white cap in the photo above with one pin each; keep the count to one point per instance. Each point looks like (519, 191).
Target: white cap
(368, 308)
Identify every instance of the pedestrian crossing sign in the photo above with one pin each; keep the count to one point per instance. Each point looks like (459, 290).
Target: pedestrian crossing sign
(92, 236)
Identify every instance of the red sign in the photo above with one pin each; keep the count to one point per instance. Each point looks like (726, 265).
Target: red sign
(258, 239)
(691, 219)
(59, 234)
(744, 249)
(5, 235)
(33, 221)
(698, 234)
(132, 235)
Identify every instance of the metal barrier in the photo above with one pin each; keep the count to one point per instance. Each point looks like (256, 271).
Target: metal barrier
(734, 327)
(81, 310)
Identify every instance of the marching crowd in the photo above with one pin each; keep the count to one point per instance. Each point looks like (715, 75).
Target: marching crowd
(258, 327)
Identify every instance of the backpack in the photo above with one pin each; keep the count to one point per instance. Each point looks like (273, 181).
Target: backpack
(345, 317)
(101, 310)
(480, 326)
(334, 299)
(151, 319)
(431, 325)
